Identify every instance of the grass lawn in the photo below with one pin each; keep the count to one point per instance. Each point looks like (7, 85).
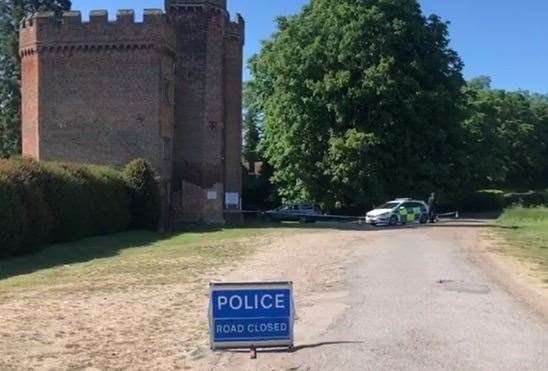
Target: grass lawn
(528, 237)
(118, 261)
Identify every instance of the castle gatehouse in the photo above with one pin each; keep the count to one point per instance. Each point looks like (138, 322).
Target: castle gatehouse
(167, 89)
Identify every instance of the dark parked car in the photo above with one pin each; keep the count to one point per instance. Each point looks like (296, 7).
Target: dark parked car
(303, 213)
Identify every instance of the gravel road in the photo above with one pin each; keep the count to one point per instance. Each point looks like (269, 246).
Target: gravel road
(416, 301)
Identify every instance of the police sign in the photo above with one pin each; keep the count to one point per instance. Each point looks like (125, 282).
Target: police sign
(251, 315)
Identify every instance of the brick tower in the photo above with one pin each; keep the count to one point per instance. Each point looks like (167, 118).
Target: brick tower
(167, 89)
(208, 107)
(98, 92)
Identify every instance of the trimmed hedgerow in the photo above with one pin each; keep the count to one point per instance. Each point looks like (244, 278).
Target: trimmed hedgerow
(70, 203)
(45, 202)
(12, 219)
(485, 200)
(26, 177)
(527, 199)
(106, 197)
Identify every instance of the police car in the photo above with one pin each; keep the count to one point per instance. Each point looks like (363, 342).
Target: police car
(399, 211)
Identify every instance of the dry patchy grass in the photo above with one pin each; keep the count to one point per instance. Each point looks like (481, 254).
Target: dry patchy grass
(126, 258)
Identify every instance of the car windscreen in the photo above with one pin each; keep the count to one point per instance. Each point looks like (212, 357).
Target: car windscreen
(283, 208)
(388, 205)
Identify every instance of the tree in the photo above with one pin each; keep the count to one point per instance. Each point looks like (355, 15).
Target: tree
(362, 100)
(480, 83)
(251, 124)
(145, 194)
(509, 137)
(258, 190)
(11, 14)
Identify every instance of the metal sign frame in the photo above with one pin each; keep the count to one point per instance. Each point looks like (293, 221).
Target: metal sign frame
(281, 343)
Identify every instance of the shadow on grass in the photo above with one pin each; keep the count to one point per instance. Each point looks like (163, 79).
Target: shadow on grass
(347, 226)
(344, 226)
(77, 252)
(108, 246)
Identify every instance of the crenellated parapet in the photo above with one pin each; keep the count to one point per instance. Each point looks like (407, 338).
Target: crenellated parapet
(170, 4)
(45, 33)
(235, 29)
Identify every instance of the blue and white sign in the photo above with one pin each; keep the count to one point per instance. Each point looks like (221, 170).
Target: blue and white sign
(251, 315)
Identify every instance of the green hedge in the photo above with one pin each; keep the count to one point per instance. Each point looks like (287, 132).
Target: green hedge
(485, 200)
(145, 194)
(528, 199)
(492, 200)
(47, 202)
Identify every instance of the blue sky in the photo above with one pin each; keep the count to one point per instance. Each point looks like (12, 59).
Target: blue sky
(506, 39)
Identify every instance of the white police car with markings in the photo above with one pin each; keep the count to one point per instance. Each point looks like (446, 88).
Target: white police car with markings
(400, 211)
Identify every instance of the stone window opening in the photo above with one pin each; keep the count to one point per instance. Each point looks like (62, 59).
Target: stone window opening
(167, 95)
(166, 149)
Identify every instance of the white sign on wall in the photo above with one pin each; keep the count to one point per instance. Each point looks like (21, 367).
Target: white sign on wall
(212, 195)
(232, 199)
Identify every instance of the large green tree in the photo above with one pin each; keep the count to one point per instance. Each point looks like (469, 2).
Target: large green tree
(509, 137)
(11, 14)
(251, 123)
(258, 190)
(362, 99)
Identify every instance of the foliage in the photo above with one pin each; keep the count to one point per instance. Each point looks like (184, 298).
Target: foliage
(49, 202)
(27, 178)
(258, 190)
(145, 194)
(251, 123)
(11, 13)
(508, 137)
(480, 201)
(106, 196)
(527, 199)
(12, 219)
(361, 100)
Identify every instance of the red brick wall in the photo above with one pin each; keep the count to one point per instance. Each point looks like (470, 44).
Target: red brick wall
(101, 89)
(29, 113)
(171, 92)
(218, 3)
(199, 109)
(233, 67)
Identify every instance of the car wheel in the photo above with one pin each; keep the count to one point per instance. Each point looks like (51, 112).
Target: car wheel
(303, 220)
(424, 219)
(393, 220)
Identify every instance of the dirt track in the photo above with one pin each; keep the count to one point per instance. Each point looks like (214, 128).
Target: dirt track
(412, 298)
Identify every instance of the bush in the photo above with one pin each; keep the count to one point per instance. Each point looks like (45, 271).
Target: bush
(144, 193)
(527, 199)
(49, 202)
(26, 176)
(12, 221)
(70, 203)
(485, 200)
(521, 215)
(106, 197)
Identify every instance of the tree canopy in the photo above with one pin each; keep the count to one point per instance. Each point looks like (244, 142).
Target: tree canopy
(508, 134)
(361, 99)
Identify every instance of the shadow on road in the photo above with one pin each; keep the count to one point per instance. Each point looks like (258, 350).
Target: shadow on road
(297, 348)
(108, 246)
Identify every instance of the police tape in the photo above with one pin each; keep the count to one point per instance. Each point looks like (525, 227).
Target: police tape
(454, 214)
